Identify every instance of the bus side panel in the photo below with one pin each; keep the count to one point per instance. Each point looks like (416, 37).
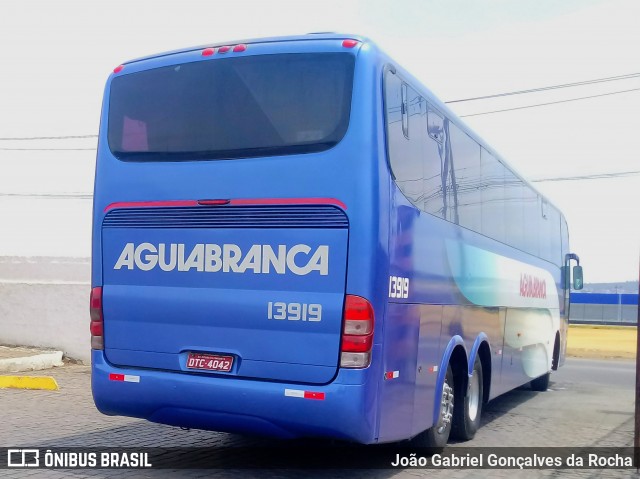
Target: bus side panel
(529, 336)
(469, 322)
(429, 353)
(402, 328)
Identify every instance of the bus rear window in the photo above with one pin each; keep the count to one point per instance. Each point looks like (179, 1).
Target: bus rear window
(230, 108)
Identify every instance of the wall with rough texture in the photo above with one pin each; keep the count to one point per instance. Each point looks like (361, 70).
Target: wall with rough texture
(44, 302)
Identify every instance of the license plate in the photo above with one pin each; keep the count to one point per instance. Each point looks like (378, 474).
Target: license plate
(209, 362)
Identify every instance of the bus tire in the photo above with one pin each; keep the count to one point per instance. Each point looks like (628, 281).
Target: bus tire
(468, 405)
(437, 436)
(541, 383)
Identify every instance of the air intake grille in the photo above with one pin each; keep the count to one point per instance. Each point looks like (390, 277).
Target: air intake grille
(267, 216)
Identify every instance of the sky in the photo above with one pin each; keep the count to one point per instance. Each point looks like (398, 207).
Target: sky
(56, 56)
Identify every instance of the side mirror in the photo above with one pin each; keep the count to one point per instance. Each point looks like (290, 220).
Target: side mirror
(578, 282)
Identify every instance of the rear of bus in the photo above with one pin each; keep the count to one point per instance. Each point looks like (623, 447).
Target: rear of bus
(234, 239)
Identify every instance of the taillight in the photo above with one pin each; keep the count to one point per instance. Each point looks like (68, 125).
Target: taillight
(357, 336)
(97, 323)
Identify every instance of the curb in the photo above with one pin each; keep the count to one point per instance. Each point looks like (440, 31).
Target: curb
(29, 382)
(36, 362)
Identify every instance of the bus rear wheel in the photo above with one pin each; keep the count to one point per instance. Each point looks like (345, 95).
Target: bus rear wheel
(437, 436)
(468, 405)
(541, 383)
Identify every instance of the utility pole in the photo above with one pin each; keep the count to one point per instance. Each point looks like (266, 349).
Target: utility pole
(636, 432)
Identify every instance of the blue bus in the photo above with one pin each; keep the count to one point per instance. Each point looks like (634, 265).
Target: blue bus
(292, 237)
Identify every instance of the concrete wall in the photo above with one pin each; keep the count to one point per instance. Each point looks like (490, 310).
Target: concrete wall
(603, 313)
(44, 302)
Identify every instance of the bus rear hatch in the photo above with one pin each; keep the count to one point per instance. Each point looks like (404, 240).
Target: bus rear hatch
(249, 291)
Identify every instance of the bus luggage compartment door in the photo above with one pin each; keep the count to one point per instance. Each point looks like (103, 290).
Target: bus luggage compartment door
(245, 292)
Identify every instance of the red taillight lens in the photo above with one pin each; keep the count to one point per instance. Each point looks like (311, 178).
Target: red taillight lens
(357, 335)
(97, 324)
(356, 344)
(95, 304)
(357, 308)
(96, 328)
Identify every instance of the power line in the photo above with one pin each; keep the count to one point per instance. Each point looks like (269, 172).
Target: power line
(550, 103)
(596, 176)
(552, 87)
(47, 149)
(55, 196)
(20, 138)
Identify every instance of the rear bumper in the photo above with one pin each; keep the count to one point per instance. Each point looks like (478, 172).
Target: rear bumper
(346, 412)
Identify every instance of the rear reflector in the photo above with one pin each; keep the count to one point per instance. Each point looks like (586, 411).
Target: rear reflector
(97, 322)
(124, 377)
(298, 393)
(357, 335)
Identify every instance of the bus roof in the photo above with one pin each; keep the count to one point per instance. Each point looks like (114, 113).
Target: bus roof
(290, 38)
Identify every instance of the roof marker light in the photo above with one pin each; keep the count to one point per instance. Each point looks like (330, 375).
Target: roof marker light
(224, 49)
(207, 52)
(213, 202)
(240, 48)
(118, 69)
(349, 43)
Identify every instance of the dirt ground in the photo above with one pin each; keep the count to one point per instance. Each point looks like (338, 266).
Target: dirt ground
(601, 342)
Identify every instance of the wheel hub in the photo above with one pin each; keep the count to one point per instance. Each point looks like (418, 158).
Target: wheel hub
(446, 407)
(474, 397)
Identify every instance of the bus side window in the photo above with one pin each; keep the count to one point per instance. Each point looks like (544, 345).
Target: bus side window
(465, 194)
(514, 210)
(405, 113)
(555, 235)
(404, 108)
(434, 159)
(535, 224)
(545, 229)
(492, 194)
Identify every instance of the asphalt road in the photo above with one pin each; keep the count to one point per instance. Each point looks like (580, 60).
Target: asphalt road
(618, 374)
(589, 403)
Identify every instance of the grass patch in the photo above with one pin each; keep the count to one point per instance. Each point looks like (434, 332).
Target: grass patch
(598, 342)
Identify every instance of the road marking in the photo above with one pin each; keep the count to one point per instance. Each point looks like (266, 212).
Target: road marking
(29, 382)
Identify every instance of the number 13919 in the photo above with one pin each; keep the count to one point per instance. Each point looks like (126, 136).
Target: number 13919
(398, 287)
(294, 311)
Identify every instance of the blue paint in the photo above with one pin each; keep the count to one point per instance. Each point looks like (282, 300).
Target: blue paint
(604, 298)
(155, 318)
